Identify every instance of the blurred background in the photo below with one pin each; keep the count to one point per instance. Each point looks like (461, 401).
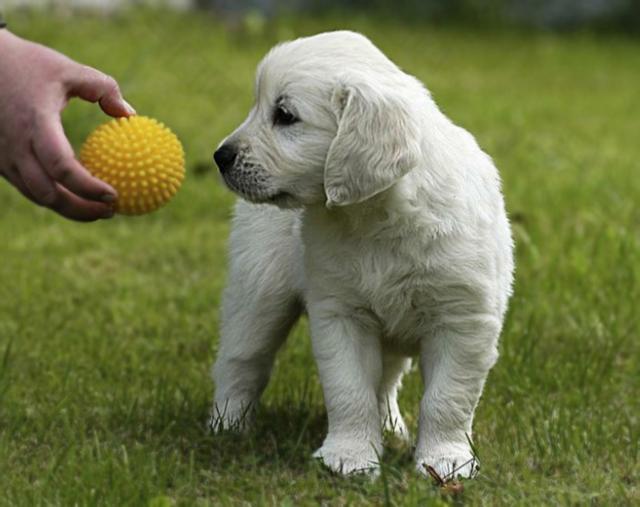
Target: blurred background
(546, 14)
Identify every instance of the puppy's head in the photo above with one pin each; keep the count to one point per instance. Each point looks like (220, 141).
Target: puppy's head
(334, 121)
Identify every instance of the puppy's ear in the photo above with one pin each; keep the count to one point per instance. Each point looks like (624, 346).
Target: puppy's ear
(378, 142)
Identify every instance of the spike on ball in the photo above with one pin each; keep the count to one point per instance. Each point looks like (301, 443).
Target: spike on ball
(140, 158)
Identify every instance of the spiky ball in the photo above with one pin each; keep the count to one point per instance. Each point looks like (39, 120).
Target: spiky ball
(139, 157)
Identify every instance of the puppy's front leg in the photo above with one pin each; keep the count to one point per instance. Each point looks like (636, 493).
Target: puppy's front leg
(348, 352)
(454, 361)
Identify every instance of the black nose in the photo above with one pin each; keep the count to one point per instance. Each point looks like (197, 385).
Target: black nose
(225, 156)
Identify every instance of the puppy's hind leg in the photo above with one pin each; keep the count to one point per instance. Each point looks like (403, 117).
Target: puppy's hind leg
(394, 367)
(260, 305)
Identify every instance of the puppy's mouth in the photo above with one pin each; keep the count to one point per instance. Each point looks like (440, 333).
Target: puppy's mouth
(279, 197)
(249, 181)
(256, 194)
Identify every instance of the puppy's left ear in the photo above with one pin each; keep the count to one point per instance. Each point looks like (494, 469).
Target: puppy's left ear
(378, 142)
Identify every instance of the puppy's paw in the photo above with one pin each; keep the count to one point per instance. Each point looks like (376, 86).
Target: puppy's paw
(449, 464)
(349, 458)
(234, 417)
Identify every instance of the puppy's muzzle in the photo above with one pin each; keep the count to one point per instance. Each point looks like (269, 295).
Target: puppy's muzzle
(225, 156)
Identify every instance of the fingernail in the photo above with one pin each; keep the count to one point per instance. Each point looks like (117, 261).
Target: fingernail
(108, 198)
(129, 107)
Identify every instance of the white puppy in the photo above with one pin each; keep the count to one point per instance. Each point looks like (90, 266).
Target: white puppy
(389, 229)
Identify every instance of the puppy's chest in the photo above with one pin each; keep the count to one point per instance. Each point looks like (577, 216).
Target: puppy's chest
(390, 279)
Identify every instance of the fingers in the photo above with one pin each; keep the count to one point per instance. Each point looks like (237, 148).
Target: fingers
(76, 208)
(94, 86)
(35, 184)
(55, 155)
(39, 184)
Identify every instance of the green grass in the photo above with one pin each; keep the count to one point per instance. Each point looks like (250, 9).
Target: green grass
(108, 330)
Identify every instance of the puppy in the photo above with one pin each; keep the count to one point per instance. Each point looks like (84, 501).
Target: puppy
(368, 208)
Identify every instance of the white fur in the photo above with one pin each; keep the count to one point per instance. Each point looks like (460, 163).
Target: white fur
(390, 229)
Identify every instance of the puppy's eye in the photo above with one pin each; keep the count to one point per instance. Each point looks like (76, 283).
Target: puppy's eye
(282, 116)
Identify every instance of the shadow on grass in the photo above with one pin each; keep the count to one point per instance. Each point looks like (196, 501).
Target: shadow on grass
(172, 419)
(284, 434)
(282, 437)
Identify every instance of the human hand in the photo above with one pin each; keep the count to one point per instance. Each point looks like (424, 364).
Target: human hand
(36, 84)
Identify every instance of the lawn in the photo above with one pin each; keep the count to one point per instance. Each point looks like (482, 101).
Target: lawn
(108, 330)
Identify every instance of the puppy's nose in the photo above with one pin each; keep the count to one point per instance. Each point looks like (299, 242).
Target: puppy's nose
(225, 156)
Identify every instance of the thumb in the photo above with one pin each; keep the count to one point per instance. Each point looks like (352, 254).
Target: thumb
(92, 85)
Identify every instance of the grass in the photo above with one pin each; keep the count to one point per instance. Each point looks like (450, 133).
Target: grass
(108, 330)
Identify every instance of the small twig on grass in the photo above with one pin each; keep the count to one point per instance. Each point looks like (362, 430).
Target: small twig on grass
(448, 485)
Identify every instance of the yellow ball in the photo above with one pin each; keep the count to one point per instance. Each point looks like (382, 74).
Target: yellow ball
(139, 157)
